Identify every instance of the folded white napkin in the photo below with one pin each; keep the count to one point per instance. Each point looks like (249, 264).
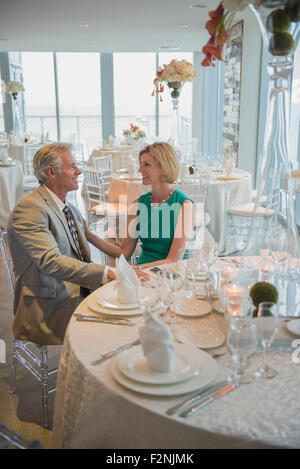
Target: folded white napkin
(127, 282)
(157, 343)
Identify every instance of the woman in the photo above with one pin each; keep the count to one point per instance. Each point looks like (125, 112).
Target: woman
(162, 219)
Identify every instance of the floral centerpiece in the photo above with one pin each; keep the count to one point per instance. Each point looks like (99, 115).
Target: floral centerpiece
(14, 87)
(175, 74)
(134, 133)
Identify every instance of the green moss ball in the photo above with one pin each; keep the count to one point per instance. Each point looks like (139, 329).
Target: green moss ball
(263, 291)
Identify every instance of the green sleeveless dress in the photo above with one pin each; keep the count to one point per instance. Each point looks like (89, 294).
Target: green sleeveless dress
(156, 225)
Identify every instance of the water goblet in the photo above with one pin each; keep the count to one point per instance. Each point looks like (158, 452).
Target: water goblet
(239, 309)
(164, 291)
(241, 344)
(267, 322)
(280, 250)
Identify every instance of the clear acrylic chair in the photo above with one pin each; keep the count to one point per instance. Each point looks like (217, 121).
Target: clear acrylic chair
(33, 357)
(9, 439)
(104, 165)
(99, 208)
(30, 181)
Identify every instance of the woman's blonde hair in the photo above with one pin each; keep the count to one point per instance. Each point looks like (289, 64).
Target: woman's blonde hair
(166, 157)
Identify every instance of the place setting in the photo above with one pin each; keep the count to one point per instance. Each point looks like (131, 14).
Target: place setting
(161, 367)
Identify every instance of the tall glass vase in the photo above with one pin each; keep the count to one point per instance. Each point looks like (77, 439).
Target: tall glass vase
(176, 132)
(18, 130)
(274, 211)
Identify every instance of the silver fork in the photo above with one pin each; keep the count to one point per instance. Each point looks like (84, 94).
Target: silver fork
(112, 353)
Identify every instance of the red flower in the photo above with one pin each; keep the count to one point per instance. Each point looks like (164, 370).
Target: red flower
(218, 36)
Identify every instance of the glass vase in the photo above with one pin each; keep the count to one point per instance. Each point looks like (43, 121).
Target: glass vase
(176, 133)
(18, 130)
(274, 208)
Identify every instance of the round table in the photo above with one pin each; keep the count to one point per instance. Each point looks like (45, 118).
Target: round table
(93, 411)
(11, 188)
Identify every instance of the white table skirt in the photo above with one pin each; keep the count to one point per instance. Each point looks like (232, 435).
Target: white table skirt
(11, 190)
(93, 411)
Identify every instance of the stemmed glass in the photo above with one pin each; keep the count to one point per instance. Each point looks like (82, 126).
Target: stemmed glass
(238, 310)
(267, 322)
(280, 250)
(164, 292)
(241, 343)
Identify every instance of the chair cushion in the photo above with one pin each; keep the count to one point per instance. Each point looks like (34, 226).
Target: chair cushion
(247, 209)
(110, 209)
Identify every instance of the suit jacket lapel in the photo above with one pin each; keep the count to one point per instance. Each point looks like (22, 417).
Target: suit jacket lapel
(50, 202)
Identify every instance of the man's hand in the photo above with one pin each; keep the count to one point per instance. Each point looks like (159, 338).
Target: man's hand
(111, 275)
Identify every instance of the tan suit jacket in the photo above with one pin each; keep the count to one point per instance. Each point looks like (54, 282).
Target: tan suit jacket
(47, 268)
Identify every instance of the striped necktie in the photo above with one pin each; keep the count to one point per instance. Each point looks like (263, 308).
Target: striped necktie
(73, 230)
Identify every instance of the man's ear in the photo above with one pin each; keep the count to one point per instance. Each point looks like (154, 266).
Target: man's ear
(50, 171)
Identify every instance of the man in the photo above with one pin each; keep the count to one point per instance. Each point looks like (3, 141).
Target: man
(50, 253)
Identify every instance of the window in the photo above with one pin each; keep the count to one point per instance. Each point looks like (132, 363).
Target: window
(133, 84)
(39, 95)
(79, 91)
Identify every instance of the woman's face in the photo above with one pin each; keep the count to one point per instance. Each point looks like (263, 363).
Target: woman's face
(150, 170)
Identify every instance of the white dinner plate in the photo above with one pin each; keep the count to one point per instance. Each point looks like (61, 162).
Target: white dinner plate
(204, 337)
(294, 326)
(191, 307)
(107, 298)
(217, 305)
(134, 365)
(94, 306)
(207, 372)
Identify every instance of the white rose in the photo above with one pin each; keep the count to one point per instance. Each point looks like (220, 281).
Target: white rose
(14, 87)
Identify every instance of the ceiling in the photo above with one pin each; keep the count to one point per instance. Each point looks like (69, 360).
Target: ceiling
(103, 25)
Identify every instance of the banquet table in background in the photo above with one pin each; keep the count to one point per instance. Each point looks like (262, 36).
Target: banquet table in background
(93, 411)
(11, 188)
(120, 156)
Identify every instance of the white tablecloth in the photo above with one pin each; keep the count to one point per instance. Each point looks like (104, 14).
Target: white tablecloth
(93, 411)
(11, 189)
(131, 188)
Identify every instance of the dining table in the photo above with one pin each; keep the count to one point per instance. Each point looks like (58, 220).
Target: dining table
(111, 405)
(11, 187)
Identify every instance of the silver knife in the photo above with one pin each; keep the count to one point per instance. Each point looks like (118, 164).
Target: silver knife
(198, 405)
(199, 394)
(121, 322)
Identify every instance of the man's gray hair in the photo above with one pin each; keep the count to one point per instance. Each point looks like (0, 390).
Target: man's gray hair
(48, 155)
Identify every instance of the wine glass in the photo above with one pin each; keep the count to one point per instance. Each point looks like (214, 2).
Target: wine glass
(176, 282)
(209, 253)
(267, 322)
(241, 344)
(239, 309)
(164, 292)
(280, 250)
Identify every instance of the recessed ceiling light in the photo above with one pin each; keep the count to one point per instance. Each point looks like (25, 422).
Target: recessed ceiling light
(84, 25)
(198, 5)
(183, 26)
(166, 47)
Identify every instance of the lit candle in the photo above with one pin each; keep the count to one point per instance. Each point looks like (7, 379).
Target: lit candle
(234, 290)
(228, 272)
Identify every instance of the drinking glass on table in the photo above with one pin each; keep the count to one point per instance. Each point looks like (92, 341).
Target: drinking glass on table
(267, 323)
(241, 344)
(164, 292)
(280, 250)
(239, 308)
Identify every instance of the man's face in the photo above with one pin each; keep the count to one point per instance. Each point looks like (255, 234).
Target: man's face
(67, 178)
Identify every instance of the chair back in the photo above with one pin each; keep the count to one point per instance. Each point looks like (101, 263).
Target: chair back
(29, 152)
(8, 264)
(103, 164)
